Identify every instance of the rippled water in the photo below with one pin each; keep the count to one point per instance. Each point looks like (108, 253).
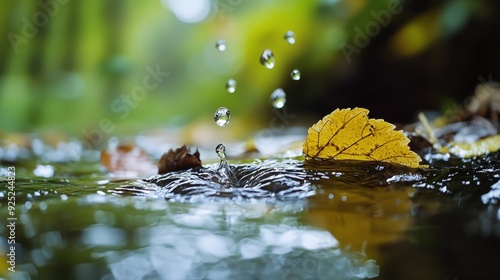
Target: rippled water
(278, 219)
(281, 180)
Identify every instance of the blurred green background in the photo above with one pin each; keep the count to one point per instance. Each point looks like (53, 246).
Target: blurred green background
(74, 65)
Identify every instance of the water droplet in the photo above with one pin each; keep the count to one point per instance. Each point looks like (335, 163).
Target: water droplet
(295, 75)
(267, 59)
(231, 86)
(224, 175)
(290, 37)
(222, 116)
(278, 98)
(220, 150)
(221, 45)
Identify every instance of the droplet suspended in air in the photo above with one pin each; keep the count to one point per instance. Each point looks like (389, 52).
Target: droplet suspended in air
(267, 59)
(295, 74)
(278, 98)
(222, 116)
(221, 45)
(290, 37)
(231, 86)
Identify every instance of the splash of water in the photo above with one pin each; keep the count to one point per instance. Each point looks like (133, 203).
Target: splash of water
(224, 174)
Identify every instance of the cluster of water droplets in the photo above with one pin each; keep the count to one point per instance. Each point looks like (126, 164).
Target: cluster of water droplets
(223, 115)
(277, 99)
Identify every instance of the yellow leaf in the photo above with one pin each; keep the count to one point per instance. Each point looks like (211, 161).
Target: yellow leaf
(349, 134)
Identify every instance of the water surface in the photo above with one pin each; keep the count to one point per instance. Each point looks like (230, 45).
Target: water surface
(281, 219)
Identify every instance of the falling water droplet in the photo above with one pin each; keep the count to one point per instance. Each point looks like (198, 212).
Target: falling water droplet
(290, 37)
(295, 75)
(231, 86)
(222, 116)
(267, 59)
(278, 98)
(221, 45)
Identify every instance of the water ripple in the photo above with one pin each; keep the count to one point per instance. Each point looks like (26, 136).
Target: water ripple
(268, 179)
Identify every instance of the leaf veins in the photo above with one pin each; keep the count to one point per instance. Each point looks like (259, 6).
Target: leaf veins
(350, 134)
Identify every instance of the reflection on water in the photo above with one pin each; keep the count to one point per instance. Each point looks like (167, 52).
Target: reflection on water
(282, 220)
(129, 238)
(196, 245)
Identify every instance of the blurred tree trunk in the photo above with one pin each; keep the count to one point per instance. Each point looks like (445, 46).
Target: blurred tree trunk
(5, 26)
(114, 10)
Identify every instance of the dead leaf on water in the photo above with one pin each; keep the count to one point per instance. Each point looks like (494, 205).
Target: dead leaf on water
(347, 134)
(180, 159)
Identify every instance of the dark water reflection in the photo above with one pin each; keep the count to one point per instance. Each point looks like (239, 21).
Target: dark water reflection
(342, 221)
(107, 237)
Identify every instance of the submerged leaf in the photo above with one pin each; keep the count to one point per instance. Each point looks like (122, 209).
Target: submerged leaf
(127, 161)
(349, 135)
(179, 159)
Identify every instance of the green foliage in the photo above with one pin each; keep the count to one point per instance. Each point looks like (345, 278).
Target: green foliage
(67, 70)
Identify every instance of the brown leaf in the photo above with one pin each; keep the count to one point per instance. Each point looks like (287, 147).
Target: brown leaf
(127, 161)
(180, 159)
